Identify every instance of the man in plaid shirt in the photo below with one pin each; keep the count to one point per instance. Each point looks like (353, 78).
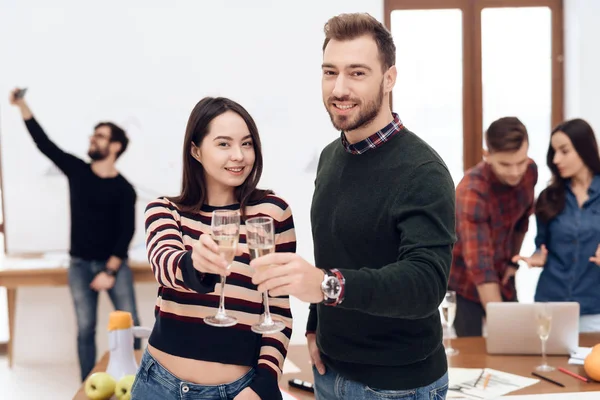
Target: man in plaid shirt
(493, 203)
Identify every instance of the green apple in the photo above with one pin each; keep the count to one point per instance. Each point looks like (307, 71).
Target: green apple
(100, 386)
(123, 389)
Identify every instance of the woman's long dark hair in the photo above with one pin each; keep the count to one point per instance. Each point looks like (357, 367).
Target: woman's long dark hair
(551, 201)
(193, 185)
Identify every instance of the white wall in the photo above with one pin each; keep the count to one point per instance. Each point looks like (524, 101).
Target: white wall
(582, 61)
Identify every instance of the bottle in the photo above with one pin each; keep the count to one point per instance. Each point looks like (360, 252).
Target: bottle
(121, 334)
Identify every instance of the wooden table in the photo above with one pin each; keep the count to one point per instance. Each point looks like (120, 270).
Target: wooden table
(12, 277)
(472, 355)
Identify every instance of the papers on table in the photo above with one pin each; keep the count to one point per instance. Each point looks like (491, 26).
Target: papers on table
(557, 396)
(468, 383)
(287, 396)
(138, 253)
(289, 367)
(579, 355)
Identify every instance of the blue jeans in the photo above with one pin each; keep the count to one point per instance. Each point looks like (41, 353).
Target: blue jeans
(333, 386)
(155, 382)
(85, 300)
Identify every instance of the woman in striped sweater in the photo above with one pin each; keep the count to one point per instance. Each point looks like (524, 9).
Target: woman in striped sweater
(186, 358)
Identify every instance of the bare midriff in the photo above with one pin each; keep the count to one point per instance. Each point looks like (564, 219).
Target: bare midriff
(197, 371)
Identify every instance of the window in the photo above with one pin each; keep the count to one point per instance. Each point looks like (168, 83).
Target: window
(428, 97)
(427, 35)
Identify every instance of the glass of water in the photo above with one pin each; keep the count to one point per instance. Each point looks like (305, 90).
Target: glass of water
(448, 313)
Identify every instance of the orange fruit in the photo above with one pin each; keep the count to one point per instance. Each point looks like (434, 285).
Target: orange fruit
(591, 365)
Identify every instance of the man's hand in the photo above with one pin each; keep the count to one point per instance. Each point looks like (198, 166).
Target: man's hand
(12, 98)
(102, 281)
(114, 263)
(489, 293)
(25, 111)
(314, 353)
(509, 273)
(596, 257)
(247, 394)
(290, 275)
(538, 259)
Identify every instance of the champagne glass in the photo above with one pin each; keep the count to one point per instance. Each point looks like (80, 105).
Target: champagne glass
(260, 237)
(225, 226)
(543, 314)
(448, 313)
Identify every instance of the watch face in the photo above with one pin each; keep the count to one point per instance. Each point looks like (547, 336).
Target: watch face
(333, 288)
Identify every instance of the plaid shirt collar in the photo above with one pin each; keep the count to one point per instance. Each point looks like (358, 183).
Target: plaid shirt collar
(376, 139)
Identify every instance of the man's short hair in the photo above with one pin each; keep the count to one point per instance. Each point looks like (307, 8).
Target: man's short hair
(506, 134)
(117, 134)
(351, 26)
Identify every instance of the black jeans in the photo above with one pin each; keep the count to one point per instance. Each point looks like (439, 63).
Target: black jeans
(469, 317)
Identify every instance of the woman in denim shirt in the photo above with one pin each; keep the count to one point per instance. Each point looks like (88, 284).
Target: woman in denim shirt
(568, 223)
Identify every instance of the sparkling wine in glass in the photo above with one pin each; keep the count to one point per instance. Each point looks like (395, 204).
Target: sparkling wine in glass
(260, 237)
(225, 227)
(543, 314)
(448, 313)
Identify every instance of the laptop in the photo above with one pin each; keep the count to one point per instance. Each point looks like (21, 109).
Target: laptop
(512, 328)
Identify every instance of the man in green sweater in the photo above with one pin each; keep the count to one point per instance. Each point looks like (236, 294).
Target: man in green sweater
(383, 228)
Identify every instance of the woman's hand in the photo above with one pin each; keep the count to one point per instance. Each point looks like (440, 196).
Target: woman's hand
(206, 257)
(538, 259)
(596, 257)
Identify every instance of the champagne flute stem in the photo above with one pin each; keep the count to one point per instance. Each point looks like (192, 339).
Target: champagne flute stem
(544, 362)
(267, 319)
(449, 341)
(221, 312)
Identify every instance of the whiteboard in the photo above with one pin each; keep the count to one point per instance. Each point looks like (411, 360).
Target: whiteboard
(144, 65)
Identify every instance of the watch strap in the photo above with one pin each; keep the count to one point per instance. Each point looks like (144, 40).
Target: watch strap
(342, 281)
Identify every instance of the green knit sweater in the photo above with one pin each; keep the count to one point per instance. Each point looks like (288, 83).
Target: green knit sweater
(386, 220)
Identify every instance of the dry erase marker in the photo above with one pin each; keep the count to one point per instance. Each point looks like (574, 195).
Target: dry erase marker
(20, 93)
(573, 374)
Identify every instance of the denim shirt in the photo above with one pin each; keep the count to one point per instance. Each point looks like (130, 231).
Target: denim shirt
(571, 238)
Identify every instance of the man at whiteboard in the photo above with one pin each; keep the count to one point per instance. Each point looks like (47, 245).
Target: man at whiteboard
(102, 204)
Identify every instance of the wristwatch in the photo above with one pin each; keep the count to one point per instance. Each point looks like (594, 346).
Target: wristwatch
(110, 272)
(332, 287)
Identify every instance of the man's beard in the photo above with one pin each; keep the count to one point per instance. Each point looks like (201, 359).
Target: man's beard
(97, 155)
(365, 116)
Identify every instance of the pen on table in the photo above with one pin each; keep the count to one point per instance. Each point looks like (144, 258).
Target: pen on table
(573, 374)
(547, 379)
(487, 380)
(478, 379)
